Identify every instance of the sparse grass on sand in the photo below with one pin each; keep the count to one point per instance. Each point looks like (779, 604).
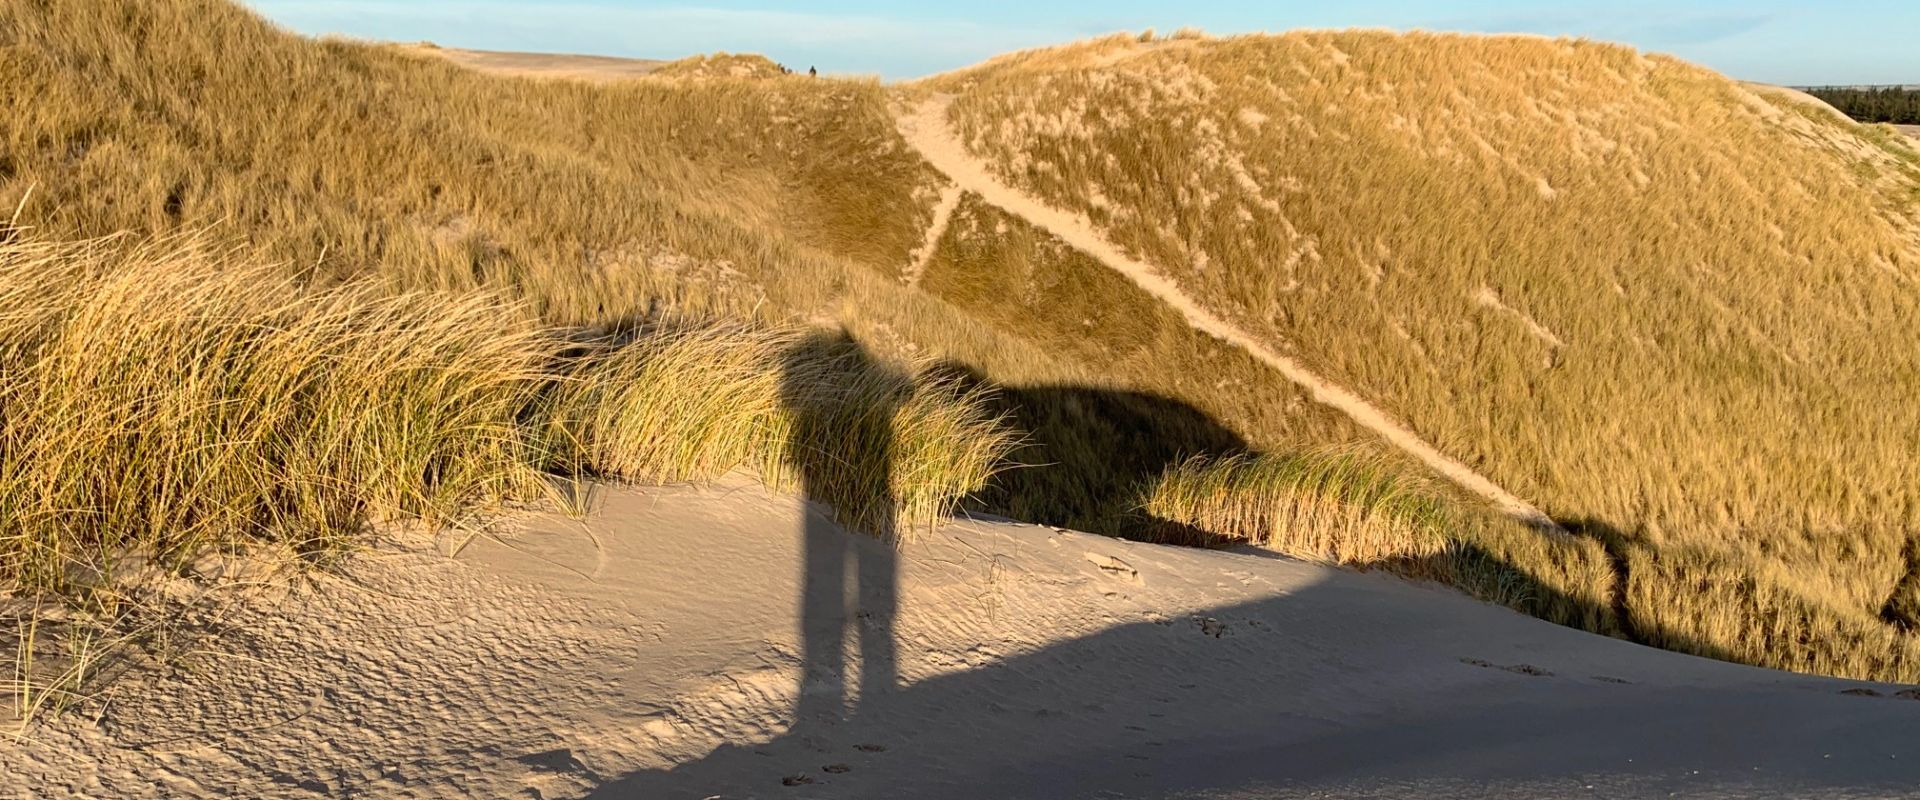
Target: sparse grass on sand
(1666, 309)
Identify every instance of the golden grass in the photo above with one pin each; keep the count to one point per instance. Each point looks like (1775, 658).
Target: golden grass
(888, 452)
(163, 398)
(1358, 510)
(1662, 307)
(1341, 508)
(1642, 296)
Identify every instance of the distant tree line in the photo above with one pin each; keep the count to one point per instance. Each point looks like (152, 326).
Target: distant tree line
(1899, 104)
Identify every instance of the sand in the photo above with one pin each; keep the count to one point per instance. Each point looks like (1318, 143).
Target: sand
(723, 642)
(926, 128)
(1910, 130)
(543, 65)
(930, 242)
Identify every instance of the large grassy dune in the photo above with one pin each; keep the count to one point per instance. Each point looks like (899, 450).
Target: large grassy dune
(1672, 310)
(1668, 309)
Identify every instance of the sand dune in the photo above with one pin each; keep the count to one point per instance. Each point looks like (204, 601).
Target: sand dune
(543, 65)
(927, 130)
(990, 659)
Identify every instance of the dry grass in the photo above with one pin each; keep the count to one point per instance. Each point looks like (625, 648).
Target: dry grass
(167, 398)
(1665, 309)
(887, 452)
(782, 199)
(162, 399)
(1636, 293)
(721, 65)
(1341, 508)
(1358, 510)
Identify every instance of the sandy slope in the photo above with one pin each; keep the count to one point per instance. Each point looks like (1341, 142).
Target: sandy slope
(657, 651)
(927, 130)
(1910, 130)
(543, 65)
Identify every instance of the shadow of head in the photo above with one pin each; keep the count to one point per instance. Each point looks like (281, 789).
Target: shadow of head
(840, 405)
(1092, 453)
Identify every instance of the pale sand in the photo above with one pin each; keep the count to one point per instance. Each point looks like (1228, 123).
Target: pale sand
(1910, 130)
(543, 65)
(657, 651)
(926, 128)
(930, 242)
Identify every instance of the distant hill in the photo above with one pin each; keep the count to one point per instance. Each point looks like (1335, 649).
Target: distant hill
(542, 65)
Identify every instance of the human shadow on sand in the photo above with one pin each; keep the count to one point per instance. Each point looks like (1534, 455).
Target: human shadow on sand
(1357, 684)
(843, 454)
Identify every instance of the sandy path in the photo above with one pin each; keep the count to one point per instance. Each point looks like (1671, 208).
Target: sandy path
(691, 643)
(942, 215)
(927, 130)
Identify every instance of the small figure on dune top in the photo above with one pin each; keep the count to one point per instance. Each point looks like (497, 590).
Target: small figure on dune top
(813, 73)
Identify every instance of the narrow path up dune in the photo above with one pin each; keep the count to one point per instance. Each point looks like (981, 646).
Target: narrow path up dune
(926, 128)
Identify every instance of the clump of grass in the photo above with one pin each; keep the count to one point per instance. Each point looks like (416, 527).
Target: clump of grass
(1343, 508)
(1358, 510)
(164, 397)
(1739, 606)
(887, 452)
(167, 397)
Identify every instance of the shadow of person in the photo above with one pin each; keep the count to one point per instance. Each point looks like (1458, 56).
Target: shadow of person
(841, 405)
(1092, 454)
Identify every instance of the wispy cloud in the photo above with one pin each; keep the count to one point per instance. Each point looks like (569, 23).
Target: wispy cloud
(1644, 26)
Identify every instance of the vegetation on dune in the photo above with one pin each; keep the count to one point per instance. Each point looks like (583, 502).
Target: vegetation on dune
(1630, 290)
(1663, 307)
(600, 206)
(1166, 392)
(721, 65)
(163, 399)
(596, 203)
(1359, 510)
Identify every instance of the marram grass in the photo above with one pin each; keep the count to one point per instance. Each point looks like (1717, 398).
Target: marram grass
(163, 398)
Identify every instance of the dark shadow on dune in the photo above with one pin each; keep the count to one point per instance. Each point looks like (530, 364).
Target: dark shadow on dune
(1091, 453)
(843, 454)
(1253, 698)
(1356, 686)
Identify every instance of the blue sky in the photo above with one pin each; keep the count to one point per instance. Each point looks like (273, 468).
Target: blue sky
(1846, 41)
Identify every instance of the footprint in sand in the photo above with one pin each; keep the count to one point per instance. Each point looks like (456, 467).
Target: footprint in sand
(1518, 669)
(1114, 567)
